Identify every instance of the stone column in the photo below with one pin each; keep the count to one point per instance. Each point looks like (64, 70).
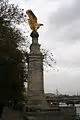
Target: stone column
(35, 89)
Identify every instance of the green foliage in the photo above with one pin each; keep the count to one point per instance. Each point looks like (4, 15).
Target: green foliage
(10, 13)
(11, 58)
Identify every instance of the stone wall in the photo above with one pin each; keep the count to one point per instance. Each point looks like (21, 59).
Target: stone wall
(67, 113)
(64, 113)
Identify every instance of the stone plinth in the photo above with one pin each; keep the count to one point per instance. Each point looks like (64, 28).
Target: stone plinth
(35, 90)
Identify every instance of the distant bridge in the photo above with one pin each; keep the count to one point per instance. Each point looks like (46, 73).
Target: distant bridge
(64, 99)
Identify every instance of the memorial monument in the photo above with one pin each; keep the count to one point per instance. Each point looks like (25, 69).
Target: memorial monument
(35, 89)
(37, 106)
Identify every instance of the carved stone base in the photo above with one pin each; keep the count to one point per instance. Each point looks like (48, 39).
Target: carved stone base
(37, 102)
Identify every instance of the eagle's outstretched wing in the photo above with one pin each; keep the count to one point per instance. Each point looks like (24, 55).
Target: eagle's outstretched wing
(31, 15)
(32, 20)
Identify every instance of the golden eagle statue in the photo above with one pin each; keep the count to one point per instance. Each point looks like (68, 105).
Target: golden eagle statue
(34, 25)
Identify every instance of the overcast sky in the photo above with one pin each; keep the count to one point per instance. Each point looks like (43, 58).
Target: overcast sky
(61, 35)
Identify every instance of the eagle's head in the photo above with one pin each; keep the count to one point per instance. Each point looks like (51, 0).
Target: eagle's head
(38, 26)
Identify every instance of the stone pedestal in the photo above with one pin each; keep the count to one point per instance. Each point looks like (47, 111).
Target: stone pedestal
(35, 90)
(37, 106)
